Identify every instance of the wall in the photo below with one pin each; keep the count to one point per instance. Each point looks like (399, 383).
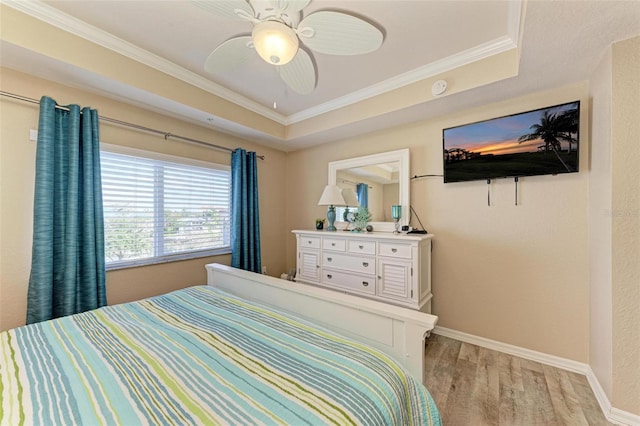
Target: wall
(625, 224)
(17, 169)
(614, 225)
(600, 349)
(515, 274)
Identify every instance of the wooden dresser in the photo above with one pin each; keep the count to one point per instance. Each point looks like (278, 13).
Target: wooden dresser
(391, 268)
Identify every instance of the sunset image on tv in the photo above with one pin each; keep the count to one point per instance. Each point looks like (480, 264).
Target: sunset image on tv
(539, 142)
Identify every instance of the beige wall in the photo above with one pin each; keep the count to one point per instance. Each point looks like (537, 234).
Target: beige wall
(515, 274)
(614, 225)
(625, 223)
(17, 162)
(600, 350)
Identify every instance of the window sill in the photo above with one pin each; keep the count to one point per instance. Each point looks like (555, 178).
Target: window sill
(167, 259)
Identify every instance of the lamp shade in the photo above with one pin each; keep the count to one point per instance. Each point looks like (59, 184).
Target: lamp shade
(331, 196)
(275, 42)
(350, 197)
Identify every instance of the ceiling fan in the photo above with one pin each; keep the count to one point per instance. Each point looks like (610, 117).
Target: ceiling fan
(278, 29)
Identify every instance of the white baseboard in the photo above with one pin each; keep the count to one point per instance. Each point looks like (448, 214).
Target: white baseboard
(612, 414)
(552, 360)
(621, 417)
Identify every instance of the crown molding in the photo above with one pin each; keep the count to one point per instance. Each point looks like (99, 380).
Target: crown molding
(469, 56)
(53, 16)
(515, 19)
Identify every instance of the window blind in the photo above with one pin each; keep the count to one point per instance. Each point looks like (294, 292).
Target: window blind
(158, 210)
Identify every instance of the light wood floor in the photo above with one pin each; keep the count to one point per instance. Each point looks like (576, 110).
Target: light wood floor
(477, 386)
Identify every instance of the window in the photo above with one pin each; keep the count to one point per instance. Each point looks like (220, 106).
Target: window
(160, 208)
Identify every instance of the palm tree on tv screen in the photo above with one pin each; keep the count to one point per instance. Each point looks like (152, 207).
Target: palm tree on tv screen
(552, 129)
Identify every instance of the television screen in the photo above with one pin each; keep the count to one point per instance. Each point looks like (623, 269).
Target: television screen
(539, 142)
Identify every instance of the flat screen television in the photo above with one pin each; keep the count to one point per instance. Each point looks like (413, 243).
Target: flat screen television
(539, 142)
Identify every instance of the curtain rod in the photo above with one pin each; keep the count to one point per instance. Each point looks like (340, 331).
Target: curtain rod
(166, 135)
(354, 183)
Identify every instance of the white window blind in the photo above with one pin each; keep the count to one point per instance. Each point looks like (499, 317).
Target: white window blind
(158, 210)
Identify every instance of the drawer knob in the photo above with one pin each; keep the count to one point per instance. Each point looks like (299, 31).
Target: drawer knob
(393, 250)
(360, 247)
(365, 264)
(329, 276)
(333, 244)
(364, 283)
(329, 259)
(308, 241)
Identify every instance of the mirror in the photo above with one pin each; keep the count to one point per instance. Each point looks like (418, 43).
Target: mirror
(374, 186)
(386, 178)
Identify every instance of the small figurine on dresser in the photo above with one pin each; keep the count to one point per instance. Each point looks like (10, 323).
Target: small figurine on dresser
(362, 218)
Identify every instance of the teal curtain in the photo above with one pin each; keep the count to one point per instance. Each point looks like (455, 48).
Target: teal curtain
(362, 190)
(68, 264)
(245, 215)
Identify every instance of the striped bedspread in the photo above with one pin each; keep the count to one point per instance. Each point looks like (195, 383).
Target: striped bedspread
(199, 356)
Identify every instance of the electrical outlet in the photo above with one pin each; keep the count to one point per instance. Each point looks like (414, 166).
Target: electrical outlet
(264, 270)
(33, 135)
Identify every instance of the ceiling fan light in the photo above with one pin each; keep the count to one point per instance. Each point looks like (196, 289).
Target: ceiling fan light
(275, 42)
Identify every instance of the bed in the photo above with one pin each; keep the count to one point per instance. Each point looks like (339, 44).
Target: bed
(231, 352)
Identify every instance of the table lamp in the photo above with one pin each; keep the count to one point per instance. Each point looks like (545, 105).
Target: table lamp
(331, 196)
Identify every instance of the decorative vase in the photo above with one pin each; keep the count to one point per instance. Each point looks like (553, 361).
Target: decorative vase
(319, 226)
(362, 218)
(396, 214)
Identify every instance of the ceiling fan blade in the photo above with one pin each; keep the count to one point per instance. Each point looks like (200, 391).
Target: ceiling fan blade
(230, 54)
(226, 8)
(290, 5)
(336, 33)
(300, 73)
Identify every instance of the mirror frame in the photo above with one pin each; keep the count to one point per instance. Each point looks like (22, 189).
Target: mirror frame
(402, 156)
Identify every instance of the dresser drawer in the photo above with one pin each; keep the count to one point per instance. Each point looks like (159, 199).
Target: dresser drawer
(365, 265)
(362, 247)
(309, 242)
(349, 282)
(334, 244)
(394, 250)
